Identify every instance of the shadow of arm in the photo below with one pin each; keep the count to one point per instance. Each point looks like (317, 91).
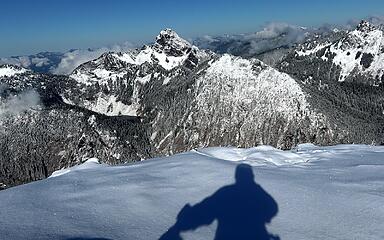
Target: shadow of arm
(192, 217)
(271, 208)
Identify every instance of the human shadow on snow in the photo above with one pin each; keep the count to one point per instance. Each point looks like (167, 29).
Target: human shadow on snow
(242, 211)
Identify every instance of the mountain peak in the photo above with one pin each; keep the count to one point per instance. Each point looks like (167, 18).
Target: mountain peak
(169, 42)
(167, 33)
(365, 26)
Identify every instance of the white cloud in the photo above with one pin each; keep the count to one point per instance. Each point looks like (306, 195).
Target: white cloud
(75, 58)
(16, 104)
(272, 35)
(276, 35)
(22, 61)
(39, 62)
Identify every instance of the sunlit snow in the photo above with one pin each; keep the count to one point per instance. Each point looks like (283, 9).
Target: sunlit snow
(322, 193)
(9, 71)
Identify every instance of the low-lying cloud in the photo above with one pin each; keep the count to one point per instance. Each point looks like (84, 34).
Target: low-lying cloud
(15, 104)
(62, 63)
(276, 35)
(272, 36)
(21, 61)
(38, 62)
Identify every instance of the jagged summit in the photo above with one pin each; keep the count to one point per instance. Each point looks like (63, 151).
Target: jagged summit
(169, 51)
(365, 26)
(169, 42)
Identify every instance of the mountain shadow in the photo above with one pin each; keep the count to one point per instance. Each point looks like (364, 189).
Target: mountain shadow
(242, 211)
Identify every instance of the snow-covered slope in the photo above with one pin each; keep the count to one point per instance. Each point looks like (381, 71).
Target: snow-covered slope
(359, 53)
(10, 70)
(342, 76)
(321, 193)
(228, 102)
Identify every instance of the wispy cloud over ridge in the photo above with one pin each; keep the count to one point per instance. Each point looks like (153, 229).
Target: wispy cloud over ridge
(75, 58)
(17, 103)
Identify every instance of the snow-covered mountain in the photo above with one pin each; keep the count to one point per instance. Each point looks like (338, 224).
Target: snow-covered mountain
(110, 84)
(342, 74)
(270, 44)
(206, 99)
(355, 55)
(319, 193)
(171, 96)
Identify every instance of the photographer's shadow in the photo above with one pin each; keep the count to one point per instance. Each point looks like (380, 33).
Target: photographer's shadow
(242, 210)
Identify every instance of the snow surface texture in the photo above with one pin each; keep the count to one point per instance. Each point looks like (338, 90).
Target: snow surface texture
(322, 193)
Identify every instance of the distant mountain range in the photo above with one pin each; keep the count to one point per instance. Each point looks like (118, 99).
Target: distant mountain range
(171, 96)
(43, 62)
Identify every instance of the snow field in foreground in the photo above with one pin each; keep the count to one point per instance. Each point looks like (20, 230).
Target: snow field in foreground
(322, 193)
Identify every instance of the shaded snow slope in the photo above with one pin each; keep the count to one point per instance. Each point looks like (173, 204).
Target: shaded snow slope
(326, 193)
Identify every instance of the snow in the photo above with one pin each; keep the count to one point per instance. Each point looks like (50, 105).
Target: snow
(97, 75)
(313, 50)
(166, 80)
(260, 155)
(167, 62)
(164, 139)
(169, 52)
(110, 106)
(246, 79)
(88, 164)
(173, 39)
(334, 192)
(125, 57)
(9, 71)
(102, 73)
(346, 55)
(144, 80)
(349, 50)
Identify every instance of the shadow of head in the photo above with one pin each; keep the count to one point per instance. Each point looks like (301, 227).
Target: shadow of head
(244, 174)
(242, 211)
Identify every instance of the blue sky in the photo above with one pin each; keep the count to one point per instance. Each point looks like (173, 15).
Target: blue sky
(31, 26)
